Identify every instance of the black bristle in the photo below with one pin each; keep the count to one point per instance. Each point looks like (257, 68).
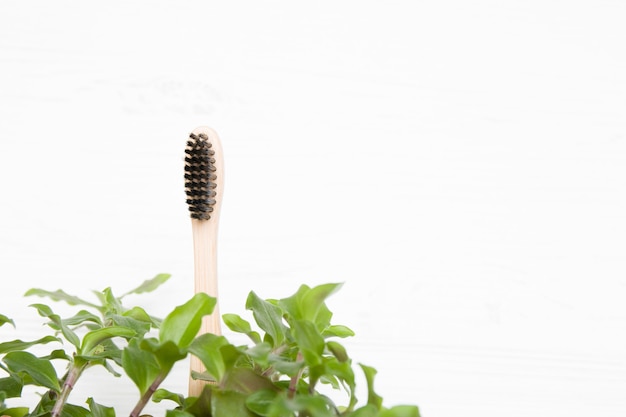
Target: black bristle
(200, 176)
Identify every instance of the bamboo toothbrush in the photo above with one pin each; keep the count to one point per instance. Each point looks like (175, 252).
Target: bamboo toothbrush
(204, 186)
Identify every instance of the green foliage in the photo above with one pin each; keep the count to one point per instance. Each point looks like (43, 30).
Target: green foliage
(4, 320)
(268, 317)
(98, 410)
(60, 295)
(294, 351)
(40, 370)
(14, 345)
(149, 284)
(207, 348)
(181, 325)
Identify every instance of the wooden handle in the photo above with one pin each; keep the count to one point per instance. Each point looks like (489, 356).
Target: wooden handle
(205, 269)
(205, 257)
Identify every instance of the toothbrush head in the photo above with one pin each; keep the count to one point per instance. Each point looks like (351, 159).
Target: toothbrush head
(200, 176)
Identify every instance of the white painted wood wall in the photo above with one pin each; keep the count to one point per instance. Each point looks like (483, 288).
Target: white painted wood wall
(461, 166)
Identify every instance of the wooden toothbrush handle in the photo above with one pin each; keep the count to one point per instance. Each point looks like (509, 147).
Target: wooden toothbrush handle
(205, 280)
(205, 252)
(205, 269)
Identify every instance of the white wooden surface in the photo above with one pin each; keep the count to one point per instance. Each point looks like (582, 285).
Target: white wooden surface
(459, 165)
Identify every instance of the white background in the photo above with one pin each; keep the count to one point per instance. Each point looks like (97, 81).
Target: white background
(460, 166)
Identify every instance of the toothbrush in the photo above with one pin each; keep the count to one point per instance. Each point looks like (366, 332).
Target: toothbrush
(204, 186)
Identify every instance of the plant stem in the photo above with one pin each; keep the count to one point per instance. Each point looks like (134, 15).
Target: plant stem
(294, 380)
(70, 380)
(147, 395)
(278, 351)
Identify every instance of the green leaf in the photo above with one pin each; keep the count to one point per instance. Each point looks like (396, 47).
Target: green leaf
(310, 342)
(331, 380)
(45, 405)
(338, 351)
(260, 402)
(82, 317)
(260, 353)
(14, 345)
(239, 325)
(178, 413)
(57, 323)
(337, 331)
(41, 371)
(182, 325)
(342, 370)
(236, 323)
(313, 302)
(11, 386)
(202, 376)
(106, 365)
(4, 320)
(207, 348)
(71, 410)
(163, 394)
(60, 295)
(367, 410)
(15, 411)
(140, 365)
(101, 298)
(98, 410)
(149, 284)
(286, 367)
(138, 326)
(308, 304)
(229, 404)
(107, 349)
(314, 405)
(230, 355)
(138, 314)
(200, 406)
(57, 354)
(372, 398)
(281, 407)
(166, 353)
(401, 411)
(245, 381)
(322, 318)
(111, 303)
(268, 317)
(95, 337)
(43, 310)
(293, 305)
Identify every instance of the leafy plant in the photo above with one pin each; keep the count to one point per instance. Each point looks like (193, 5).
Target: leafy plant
(293, 352)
